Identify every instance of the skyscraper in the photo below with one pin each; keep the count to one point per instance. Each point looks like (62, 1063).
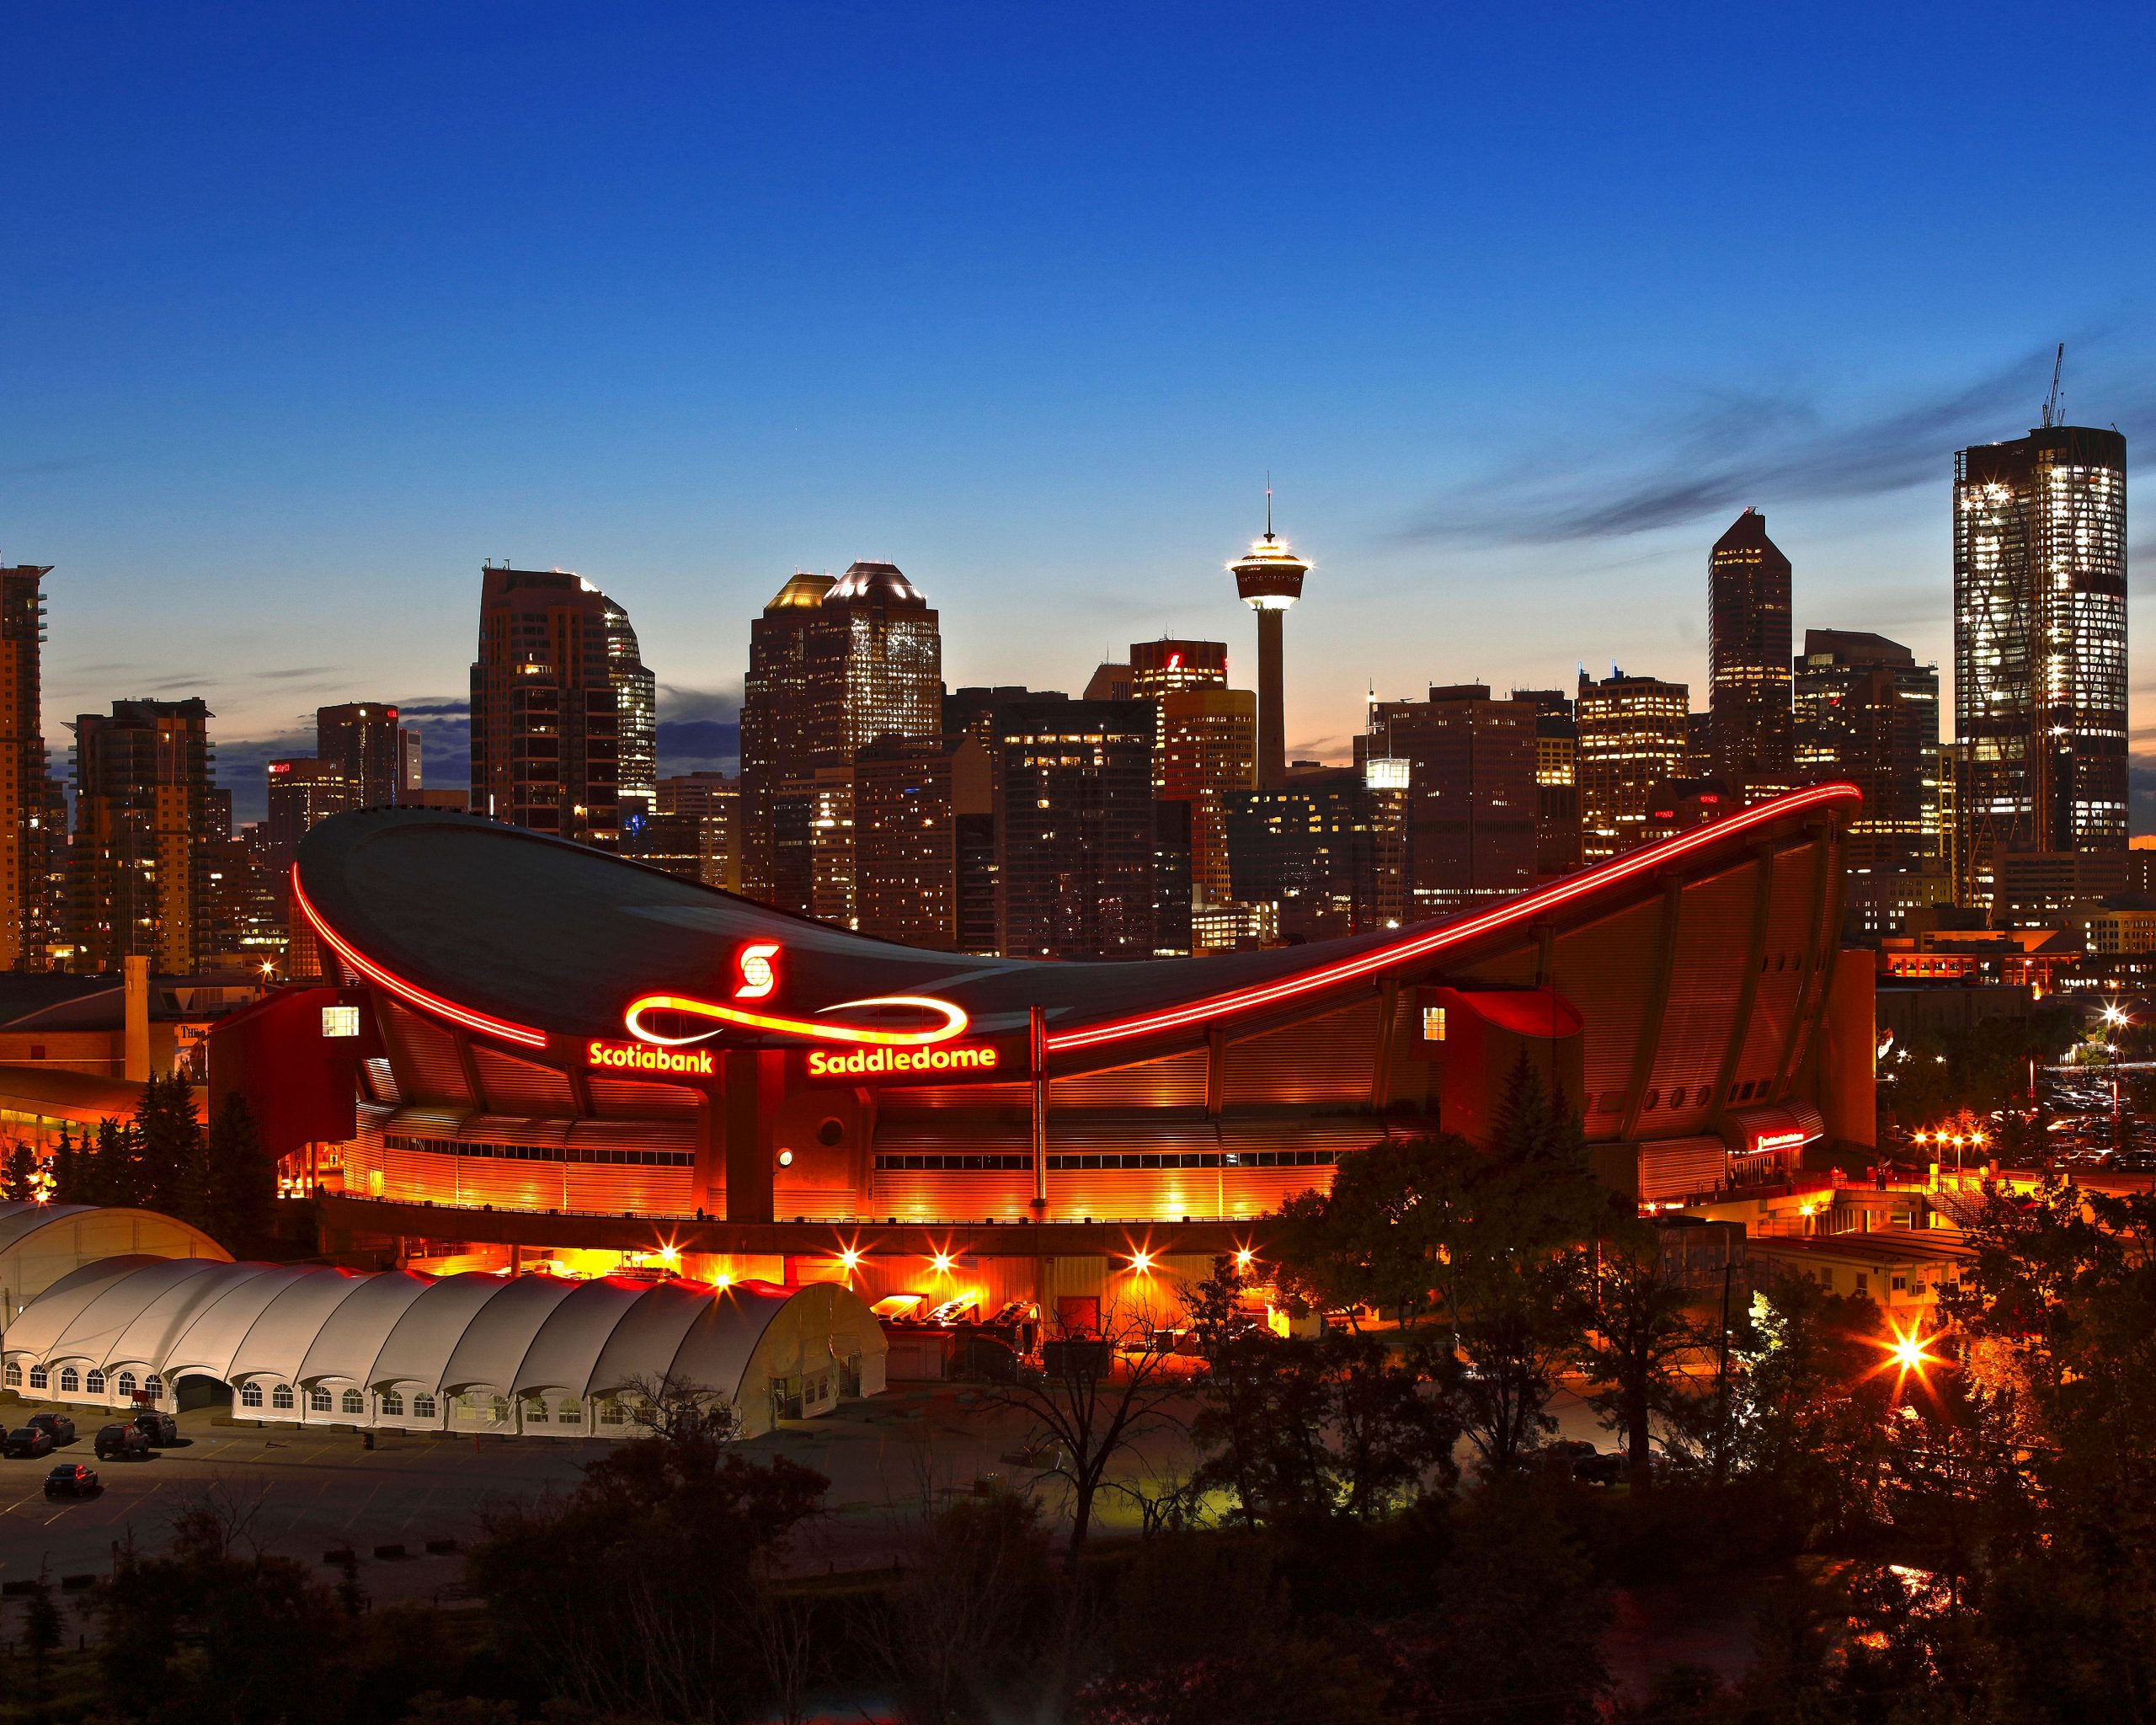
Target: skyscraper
(1323, 853)
(1205, 748)
(777, 748)
(2040, 645)
(636, 700)
(1868, 713)
(137, 880)
(875, 653)
(27, 799)
(1162, 667)
(361, 743)
(1748, 661)
(302, 792)
(1472, 796)
(1633, 733)
(546, 716)
(1075, 830)
(1556, 781)
(1269, 580)
(905, 840)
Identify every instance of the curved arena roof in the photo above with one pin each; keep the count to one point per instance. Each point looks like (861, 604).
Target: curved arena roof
(530, 939)
(42, 1243)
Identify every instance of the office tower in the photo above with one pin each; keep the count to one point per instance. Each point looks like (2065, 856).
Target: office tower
(1748, 661)
(906, 841)
(1269, 580)
(775, 747)
(246, 907)
(1472, 800)
(2039, 644)
(1315, 850)
(137, 885)
(411, 765)
(1700, 760)
(1075, 830)
(713, 800)
(635, 698)
(1867, 712)
(28, 842)
(875, 654)
(545, 713)
(1167, 666)
(1112, 680)
(826, 806)
(1556, 781)
(674, 844)
(217, 813)
(1632, 733)
(362, 745)
(303, 793)
(1676, 805)
(1174, 885)
(970, 712)
(1206, 748)
(1389, 790)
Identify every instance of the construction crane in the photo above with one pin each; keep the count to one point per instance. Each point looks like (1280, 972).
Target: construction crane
(2051, 401)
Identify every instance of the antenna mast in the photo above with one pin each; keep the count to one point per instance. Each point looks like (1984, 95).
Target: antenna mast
(2051, 401)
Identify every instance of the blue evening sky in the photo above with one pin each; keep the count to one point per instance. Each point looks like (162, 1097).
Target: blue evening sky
(308, 309)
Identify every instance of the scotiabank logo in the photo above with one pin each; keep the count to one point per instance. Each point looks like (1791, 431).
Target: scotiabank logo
(896, 1062)
(642, 1057)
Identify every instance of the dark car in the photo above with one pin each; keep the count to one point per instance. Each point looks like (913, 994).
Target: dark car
(29, 1443)
(62, 1428)
(160, 1427)
(72, 1479)
(1602, 1468)
(121, 1442)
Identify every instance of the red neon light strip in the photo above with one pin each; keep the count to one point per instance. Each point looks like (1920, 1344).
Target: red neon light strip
(1453, 934)
(411, 992)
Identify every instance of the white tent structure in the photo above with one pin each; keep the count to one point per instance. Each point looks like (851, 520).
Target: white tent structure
(535, 1355)
(39, 1243)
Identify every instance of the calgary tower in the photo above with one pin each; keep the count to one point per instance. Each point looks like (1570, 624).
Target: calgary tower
(1270, 579)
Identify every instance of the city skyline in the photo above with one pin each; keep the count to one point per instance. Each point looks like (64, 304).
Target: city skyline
(1003, 359)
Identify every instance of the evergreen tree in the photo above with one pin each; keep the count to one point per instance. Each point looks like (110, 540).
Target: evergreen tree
(168, 1144)
(240, 1183)
(18, 1180)
(67, 1169)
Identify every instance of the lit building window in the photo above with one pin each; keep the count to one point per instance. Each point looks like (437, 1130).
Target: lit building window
(340, 1021)
(1434, 1023)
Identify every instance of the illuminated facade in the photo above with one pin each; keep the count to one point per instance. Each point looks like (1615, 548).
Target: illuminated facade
(777, 751)
(545, 719)
(1748, 661)
(1556, 781)
(1867, 712)
(562, 1054)
(1207, 750)
(1472, 796)
(138, 881)
(636, 705)
(30, 805)
(1168, 666)
(2040, 647)
(363, 743)
(1633, 734)
(906, 839)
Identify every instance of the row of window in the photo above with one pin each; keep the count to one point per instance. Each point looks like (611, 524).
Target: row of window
(544, 1152)
(75, 1382)
(1008, 1163)
(390, 1404)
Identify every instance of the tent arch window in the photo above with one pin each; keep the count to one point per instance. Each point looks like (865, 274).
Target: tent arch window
(71, 1382)
(281, 1398)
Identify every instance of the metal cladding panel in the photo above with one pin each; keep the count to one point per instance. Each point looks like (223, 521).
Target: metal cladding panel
(961, 1096)
(1177, 1081)
(1409, 1080)
(1337, 1133)
(1789, 926)
(1714, 933)
(938, 1131)
(381, 1080)
(426, 1123)
(515, 1086)
(1138, 1132)
(513, 1129)
(676, 1136)
(629, 1101)
(424, 1056)
(1329, 1059)
(1678, 1167)
(952, 1195)
(1606, 969)
(1134, 1195)
(1257, 1192)
(615, 1190)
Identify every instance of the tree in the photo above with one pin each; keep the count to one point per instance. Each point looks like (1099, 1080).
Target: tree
(41, 1632)
(239, 1184)
(1638, 1335)
(1515, 1316)
(1096, 1393)
(169, 1147)
(1378, 1237)
(18, 1179)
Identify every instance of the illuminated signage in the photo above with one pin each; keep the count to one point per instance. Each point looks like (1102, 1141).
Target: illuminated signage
(882, 1065)
(756, 968)
(758, 980)
(642, 1057)
(1778, 1140)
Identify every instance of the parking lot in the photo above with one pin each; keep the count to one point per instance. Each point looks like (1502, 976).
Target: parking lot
(306, 1493)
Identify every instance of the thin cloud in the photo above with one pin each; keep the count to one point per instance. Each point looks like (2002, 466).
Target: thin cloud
(304, 670)
(685, 704)
(1729, 449)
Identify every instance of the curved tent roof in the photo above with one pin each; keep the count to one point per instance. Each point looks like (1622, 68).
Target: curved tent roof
(42, 1243)
(309, 1324)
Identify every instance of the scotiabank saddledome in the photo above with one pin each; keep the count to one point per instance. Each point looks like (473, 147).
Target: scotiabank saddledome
(538, 1044)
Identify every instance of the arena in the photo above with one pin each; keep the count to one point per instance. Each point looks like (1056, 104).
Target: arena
(537, 1055)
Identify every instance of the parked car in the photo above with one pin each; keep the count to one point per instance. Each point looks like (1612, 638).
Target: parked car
(29, 1443)
(62, 1428)
(160, 1427)
(1602, 1468)
(121, 1442)
(72, 1479)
